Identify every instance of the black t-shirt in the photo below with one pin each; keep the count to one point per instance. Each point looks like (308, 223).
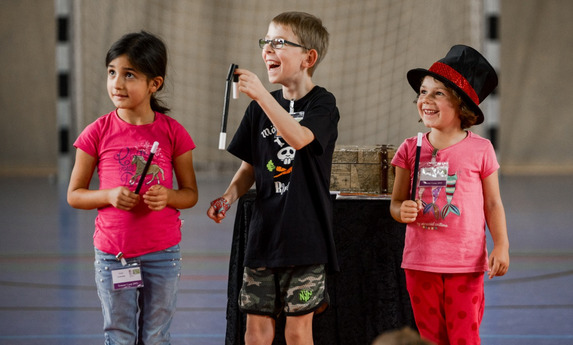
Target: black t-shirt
(292, 215)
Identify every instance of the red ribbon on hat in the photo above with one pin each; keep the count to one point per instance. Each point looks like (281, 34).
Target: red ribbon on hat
(456, 78)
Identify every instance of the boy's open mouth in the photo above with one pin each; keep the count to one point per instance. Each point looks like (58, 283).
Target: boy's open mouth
(272, 65)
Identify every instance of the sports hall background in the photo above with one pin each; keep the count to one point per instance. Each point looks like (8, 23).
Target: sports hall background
(373, 44)
(47, 295)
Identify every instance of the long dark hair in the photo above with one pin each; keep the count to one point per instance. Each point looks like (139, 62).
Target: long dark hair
(148, 54)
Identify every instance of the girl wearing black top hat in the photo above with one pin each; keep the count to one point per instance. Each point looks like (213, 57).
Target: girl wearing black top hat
(457, 195)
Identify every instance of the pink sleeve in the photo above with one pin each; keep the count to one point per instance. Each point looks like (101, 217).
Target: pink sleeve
(490, 164)
(401, 157)
(182, 141)
(87, 141)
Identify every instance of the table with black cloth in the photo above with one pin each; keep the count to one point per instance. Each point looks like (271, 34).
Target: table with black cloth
(368, 296)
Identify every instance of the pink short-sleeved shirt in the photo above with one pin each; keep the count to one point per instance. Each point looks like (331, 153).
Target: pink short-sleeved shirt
(120, 148)
(449, 234)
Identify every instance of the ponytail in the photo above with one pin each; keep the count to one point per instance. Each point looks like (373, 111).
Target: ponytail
(158, 106)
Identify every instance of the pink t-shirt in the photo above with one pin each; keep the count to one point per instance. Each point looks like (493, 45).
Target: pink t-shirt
(449, 234)
(119, 148)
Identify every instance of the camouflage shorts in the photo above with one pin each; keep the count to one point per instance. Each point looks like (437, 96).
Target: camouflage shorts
(297, 290)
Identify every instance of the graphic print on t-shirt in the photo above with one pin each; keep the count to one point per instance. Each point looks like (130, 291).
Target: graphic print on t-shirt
(433, 207)
(132, 162)
(154, 170)
(281, 167)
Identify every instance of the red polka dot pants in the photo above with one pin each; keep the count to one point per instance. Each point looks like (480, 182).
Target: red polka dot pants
(448, 308)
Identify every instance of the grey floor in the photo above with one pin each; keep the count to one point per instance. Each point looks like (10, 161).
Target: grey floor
(47, 293)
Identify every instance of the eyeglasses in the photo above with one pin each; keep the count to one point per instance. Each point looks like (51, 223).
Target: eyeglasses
(278, 43)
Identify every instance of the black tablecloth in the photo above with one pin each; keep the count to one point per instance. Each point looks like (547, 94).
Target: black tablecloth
(368, 296)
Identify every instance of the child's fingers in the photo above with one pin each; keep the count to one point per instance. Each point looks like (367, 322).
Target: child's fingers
(491, 274)
(220, 206)
(492, 267)
(216, 216)
(496, 268)
(409, 211)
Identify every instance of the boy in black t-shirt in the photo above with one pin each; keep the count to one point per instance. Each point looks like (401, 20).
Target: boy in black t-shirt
(285, 141)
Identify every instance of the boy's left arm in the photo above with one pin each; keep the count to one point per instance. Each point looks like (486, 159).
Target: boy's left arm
(495, 218)
(186, 196)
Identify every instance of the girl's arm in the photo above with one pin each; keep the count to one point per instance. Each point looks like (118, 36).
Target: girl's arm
(80, 196)
(240, 184)
(403, 209)
(495, 218)
(186, 196)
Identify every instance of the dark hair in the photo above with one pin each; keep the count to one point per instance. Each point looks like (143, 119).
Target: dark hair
(467, 116)
(148, 54)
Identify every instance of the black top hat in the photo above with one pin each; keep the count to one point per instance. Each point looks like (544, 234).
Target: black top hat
(465, 70)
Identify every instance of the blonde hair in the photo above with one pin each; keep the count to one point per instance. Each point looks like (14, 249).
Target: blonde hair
(309, 30)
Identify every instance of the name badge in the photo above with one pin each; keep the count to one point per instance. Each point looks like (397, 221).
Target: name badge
(434, 174)
(127, 278)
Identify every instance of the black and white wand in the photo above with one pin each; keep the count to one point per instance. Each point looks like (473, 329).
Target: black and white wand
(146, 167)
(231, 78)
(416, 166)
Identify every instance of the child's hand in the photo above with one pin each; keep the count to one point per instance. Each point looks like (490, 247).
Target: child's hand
(409, 210)
(122, 198)
(498, 262)
(250, 84)
(156, 197)
(218, 209)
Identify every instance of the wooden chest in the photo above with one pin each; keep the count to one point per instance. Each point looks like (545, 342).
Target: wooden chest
(362, 169)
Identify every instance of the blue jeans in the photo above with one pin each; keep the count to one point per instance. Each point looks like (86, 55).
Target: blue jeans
(138, 316)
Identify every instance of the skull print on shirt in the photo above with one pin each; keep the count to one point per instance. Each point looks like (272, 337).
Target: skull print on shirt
(281, 165)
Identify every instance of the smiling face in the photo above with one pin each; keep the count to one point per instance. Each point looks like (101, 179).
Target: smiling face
(128, 89)
(288, 64)
(438, 106)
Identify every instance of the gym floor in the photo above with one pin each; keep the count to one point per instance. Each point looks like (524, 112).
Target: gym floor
(48, 296)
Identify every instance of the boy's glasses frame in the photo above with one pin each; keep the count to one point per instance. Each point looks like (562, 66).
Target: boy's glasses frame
(278, 43)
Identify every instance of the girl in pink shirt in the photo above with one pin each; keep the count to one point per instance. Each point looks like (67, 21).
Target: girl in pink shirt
(137, 235)
(445, 253)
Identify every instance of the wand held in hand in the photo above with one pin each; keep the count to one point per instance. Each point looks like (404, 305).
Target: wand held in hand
(416, 166)
(234, 79)
(146, 168)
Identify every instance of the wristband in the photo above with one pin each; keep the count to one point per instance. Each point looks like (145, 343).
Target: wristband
(220, 205)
